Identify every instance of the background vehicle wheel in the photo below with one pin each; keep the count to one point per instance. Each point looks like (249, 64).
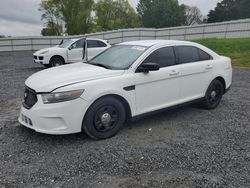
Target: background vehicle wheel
(47, 65)
(56, 61)
(213, 95)
(104, 118)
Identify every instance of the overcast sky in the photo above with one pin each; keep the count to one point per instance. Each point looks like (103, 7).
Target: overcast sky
(22, 18)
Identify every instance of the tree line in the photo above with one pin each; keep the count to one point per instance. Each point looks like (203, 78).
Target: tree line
(85, 16)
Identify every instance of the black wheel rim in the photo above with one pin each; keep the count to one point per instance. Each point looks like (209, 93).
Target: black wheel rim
(215, 94)
(106, 118)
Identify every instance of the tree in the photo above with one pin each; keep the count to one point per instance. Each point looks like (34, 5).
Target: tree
(117, 14)
(51, 14)
(230, 10)
(193, 15)
(77, 15)
(161, 13)
(51, 29)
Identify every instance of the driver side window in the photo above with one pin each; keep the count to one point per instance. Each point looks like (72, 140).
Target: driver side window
(164, 57)
(77, 44)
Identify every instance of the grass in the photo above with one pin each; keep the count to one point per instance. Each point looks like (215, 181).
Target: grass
(237, 49)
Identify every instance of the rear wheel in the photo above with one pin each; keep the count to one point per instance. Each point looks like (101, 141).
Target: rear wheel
(104, 118)
(56, 61)
(213, 95)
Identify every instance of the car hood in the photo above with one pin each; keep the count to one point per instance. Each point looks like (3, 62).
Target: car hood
(47, 49)
(52, 78)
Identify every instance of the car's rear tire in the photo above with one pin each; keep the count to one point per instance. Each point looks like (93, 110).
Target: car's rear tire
(56, 61)
(104, 118)
(213, 95)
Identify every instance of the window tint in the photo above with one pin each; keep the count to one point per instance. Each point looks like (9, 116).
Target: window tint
(96, 44)
(187, 54)
(163, 56)
(78, 44)
(204, 56)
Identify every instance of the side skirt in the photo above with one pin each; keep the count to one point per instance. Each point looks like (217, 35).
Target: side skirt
(135, 118)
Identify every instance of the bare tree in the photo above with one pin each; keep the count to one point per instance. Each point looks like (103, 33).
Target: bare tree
(193, 15)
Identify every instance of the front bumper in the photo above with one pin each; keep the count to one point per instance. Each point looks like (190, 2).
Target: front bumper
(57, 118)
(41, 59)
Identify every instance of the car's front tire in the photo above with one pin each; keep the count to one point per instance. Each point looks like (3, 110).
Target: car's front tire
(213, 95)
(104, 118)
(56, 61)
(47, 65)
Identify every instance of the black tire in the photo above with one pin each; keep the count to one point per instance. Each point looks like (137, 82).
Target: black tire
(56, 61)
(47, 65)
(104, 118)
(213, 95)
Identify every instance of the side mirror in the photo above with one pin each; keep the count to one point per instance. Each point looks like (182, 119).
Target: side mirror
(70, 48)
(146, 67)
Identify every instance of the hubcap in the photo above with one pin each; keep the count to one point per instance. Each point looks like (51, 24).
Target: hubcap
(213, 94)
(106, 118)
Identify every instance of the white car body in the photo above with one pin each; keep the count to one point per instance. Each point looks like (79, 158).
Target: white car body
(69, 55)
(142, 92)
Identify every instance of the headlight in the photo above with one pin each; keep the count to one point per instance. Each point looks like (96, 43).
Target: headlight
(61, 96)
(44, 52)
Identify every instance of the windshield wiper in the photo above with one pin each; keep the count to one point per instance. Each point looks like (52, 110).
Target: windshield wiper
(101, 65)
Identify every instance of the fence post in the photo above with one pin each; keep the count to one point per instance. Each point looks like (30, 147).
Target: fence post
(11, 43)
(227, 25)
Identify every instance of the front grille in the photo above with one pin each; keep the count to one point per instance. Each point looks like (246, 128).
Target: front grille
(35, 57)
(40, 57)
(29, 98)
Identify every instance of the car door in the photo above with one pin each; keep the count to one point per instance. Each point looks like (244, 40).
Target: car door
(95, 47)
(195, 66)
(158, 89)
(75, 51)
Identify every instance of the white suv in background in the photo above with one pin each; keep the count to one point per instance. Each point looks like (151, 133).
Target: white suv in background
(70, 51)
(125, 81)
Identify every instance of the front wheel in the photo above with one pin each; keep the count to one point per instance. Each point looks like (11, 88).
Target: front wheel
(56, 61)
(104, 118)
(213, 95)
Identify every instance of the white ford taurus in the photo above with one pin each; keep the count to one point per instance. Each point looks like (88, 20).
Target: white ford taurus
(123, 82)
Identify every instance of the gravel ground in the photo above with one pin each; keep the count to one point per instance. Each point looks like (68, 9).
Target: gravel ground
(185, 147)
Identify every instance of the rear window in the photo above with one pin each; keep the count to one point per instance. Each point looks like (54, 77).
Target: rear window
(187, 54)
(96, 44)
(204, 56)
(190, 54)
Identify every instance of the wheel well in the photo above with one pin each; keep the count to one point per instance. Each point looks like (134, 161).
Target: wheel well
(222, 81)
(123, 101)
(58, 57)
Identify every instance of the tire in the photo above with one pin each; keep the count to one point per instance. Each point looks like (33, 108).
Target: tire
(104, 118)
(56, 61)
(47, 65)
(213, 95)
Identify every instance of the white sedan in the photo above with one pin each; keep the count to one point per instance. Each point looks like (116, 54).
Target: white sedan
(70, 51)
(124, 82)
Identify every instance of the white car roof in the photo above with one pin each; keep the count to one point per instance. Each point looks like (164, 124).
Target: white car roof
(149, 43)
(75, 39)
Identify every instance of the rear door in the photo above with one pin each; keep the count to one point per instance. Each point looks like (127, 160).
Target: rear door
(196, 67)
(158, 89)
(95, 47)
(75, 53)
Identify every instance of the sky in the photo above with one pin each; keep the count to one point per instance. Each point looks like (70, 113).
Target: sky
(22, 18)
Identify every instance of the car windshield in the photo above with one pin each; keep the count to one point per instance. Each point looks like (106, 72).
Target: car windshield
(118, 56)
(66, 43)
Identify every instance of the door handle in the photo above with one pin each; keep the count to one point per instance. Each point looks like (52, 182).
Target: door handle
(208, 67)
(174, 73)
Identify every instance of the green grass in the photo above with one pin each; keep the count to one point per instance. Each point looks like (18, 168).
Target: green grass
(237, 49)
